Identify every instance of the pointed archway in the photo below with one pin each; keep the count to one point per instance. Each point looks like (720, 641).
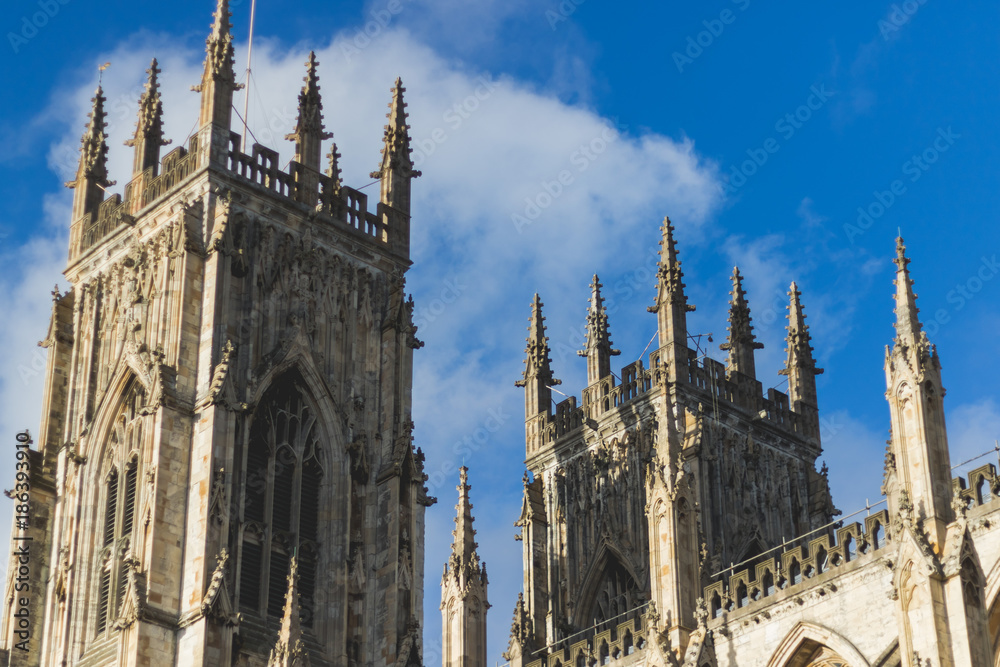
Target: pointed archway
(811, 645)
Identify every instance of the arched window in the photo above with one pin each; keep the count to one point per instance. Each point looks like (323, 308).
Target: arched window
(281, 500)
(124, 443)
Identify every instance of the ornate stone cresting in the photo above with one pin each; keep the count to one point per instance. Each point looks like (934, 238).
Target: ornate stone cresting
(741, 342)
(148, 137)
(800, 366)
(290, 651)
(464, 590)
(598, 349)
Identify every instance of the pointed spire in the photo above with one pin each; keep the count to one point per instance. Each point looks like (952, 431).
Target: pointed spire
(219, 78)
(309, 133)
(148, 137)
(741, 342)
(463, 548)
(800, 366)
(92, 174)
(598, 348)
(537, 364)
(396, 170)
(908, 328)
(290, 651)
(671, 304)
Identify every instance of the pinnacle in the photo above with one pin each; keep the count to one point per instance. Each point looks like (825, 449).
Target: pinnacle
(221, 26)
(741, 341)
(464, 560)
(908, 328)
(798, 340)
(669, 277)
(598, 333)
(150, 123)
(396, 146)
(94, 152)
(289, 650)
(310, 121)
(333, 168)
(537, 364)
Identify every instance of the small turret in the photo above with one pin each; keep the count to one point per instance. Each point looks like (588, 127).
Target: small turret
(598, 350)
(309, 133)
(919, 440)
(464, 590)
(671, 305)
(92, 174)
(148, 137)
(800, 366)
(538, 376)
(741, 342)
(290, 651)
(396, 170)
(218, 82)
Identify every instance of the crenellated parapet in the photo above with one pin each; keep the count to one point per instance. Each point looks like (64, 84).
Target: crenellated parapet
(795, 570)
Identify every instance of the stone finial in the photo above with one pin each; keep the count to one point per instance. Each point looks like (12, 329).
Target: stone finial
(909, 334)
(800, 366)
(148, 137)
(598, 350)
(333, 167)
(92, 173)
(671, 304)
(741, 342)
(464, 561)
(290, 651)
(396, 170)
(537, 364)
(309, 133)
(219, 78)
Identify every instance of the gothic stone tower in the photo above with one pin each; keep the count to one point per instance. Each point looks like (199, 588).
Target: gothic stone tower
(228, 393)
(658, 479)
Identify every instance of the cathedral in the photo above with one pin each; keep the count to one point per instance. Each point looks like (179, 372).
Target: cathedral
(225, 472)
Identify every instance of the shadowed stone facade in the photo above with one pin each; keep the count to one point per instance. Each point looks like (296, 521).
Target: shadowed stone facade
(228, 400)
(676, 516)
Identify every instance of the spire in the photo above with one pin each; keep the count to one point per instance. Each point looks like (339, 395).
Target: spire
(396, 170)
(309, 133)
(219, 78)
(92, 174)
(148, 137)
(671, 305)
(463, 548)
(908, 329)
(598, 348)
(290, 651)
(800, 367)
(464, 590)
(537, 378)
(333, 166)
(741, 342)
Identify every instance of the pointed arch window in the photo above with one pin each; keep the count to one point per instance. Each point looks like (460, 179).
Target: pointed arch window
(283, 477)
(120, 491)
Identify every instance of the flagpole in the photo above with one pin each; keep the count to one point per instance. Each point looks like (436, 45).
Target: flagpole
(246, 88)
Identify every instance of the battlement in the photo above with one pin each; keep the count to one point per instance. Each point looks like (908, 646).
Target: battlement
(797, 566)
(338, 204)
(602, 644)
(980, 487)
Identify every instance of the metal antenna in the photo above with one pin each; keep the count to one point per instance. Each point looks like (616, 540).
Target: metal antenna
(246, 88)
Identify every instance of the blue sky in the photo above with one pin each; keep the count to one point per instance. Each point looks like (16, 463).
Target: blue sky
(793, 141)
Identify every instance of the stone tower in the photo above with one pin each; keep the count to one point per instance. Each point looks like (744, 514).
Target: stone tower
(659, 479)
(227, 399)
(463, 591)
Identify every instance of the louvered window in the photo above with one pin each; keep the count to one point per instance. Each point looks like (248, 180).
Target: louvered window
(281, 500)
(120, 504)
